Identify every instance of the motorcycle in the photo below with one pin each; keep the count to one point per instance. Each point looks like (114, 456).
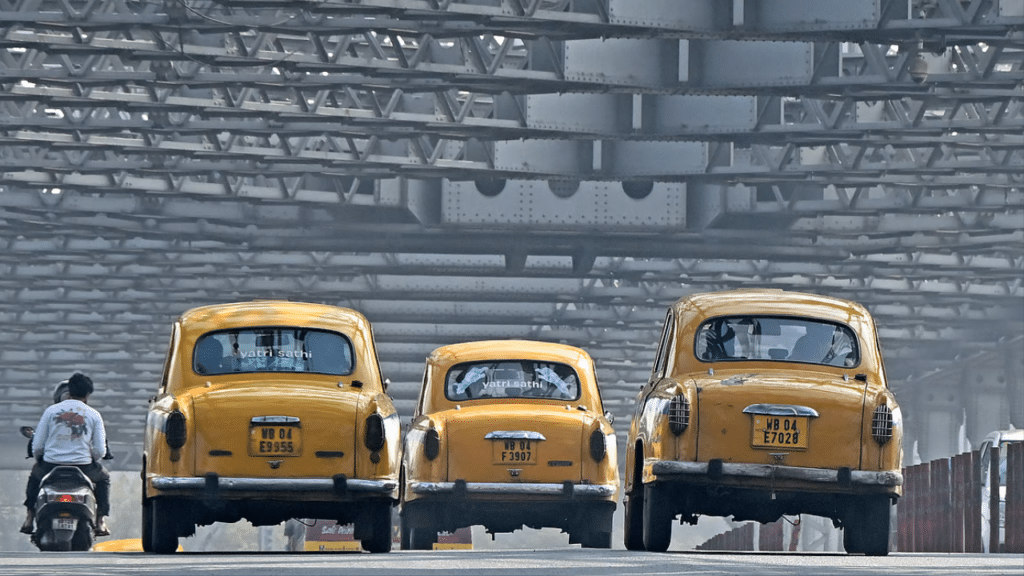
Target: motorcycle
(65, 508)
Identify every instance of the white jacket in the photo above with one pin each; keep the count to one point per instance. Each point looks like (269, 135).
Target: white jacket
(70, 432)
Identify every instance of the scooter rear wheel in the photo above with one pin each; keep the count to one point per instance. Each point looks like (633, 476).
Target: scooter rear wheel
(82, 540)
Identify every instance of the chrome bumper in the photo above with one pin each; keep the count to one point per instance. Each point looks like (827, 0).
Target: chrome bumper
(567, 489)
(669, 468)
(222, 483)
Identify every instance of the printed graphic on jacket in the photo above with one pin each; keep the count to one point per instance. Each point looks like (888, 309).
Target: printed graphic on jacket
(74, 421)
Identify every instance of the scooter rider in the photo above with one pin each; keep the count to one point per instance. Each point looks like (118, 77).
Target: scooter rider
(71, 433)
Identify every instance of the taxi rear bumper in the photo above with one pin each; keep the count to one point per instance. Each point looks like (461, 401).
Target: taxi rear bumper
(716, 469)
(212, 482)
(564, 489)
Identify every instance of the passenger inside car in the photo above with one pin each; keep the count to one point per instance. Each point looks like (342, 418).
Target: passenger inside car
(814, 344)
(326, 353)
(209, 356)
(776, 338)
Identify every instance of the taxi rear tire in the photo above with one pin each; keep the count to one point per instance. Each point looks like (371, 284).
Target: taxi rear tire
(422, 538)
(418, 531)
(378, 516)
(597, 530)
(164, 526)
(633, 530)
(147, 526)
(867, 527)
(657, 519)
(597, 539)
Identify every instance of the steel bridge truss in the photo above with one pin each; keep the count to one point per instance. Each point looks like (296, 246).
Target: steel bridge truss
(553, 169)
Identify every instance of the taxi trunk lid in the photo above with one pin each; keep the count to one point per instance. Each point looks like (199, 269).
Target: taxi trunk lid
(247, 430)
(541, 443)
(813, 420)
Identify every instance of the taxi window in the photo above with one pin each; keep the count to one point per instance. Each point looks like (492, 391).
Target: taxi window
(273, 349)
(776, 338)
(526, 379)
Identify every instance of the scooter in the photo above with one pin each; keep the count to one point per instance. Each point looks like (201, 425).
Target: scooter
(65, 508)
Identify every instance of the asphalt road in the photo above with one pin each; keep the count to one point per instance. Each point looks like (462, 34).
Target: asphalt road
(556, 562)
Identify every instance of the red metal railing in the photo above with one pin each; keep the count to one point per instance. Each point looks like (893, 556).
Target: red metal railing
(1015, 498)
(941, 506)
(941, 509)
(770, 537)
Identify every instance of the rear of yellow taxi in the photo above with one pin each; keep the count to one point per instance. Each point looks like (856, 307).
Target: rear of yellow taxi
(270, 410)
(509, 434)
(741, 418)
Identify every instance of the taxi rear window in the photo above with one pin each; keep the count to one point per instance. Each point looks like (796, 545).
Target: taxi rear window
(525, 379)
(777, 338)
(273, 349)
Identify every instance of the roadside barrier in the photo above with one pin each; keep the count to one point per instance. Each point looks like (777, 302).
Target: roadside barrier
(940, 511)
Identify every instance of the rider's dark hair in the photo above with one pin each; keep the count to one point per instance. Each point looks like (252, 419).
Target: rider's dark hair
(79, 385)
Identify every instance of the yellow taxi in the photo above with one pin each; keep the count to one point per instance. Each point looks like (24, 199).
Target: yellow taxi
(763, 403)
(507, 434)
(270, 410)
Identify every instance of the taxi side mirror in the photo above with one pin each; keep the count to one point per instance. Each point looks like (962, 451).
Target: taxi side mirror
(609, 417)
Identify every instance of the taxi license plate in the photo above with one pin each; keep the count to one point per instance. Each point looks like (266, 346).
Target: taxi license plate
(779, 431)
(65, 523)
(275, 440)
(518, 451)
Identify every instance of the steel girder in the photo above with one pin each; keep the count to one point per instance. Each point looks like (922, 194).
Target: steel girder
(155, 156)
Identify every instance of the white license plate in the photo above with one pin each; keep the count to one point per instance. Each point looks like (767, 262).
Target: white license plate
(65, 523)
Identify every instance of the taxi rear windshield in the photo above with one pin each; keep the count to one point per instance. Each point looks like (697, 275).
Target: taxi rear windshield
(777, 338)
(273, 349)
(526, 379)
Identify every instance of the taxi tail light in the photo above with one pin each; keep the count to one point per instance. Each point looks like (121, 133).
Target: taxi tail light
(679, 414)
(598, 449)
(432, 444)
(374, 438)
(881, 424)
(175, 431)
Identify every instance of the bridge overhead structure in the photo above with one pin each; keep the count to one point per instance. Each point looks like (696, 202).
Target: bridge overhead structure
(549, 169)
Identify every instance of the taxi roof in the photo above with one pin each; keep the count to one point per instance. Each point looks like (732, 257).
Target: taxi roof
(771, 301)
(270, 313)
(510, 349)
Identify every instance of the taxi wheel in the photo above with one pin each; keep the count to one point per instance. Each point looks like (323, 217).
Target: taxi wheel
(874, 526)
(596, 539)
(866, 529)
(657, 519)
(379, 519)
(419, 538)
(633, 534)
(597, 532)
(851, 536)
(147, 526)
(164, 535)
(404, 531)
